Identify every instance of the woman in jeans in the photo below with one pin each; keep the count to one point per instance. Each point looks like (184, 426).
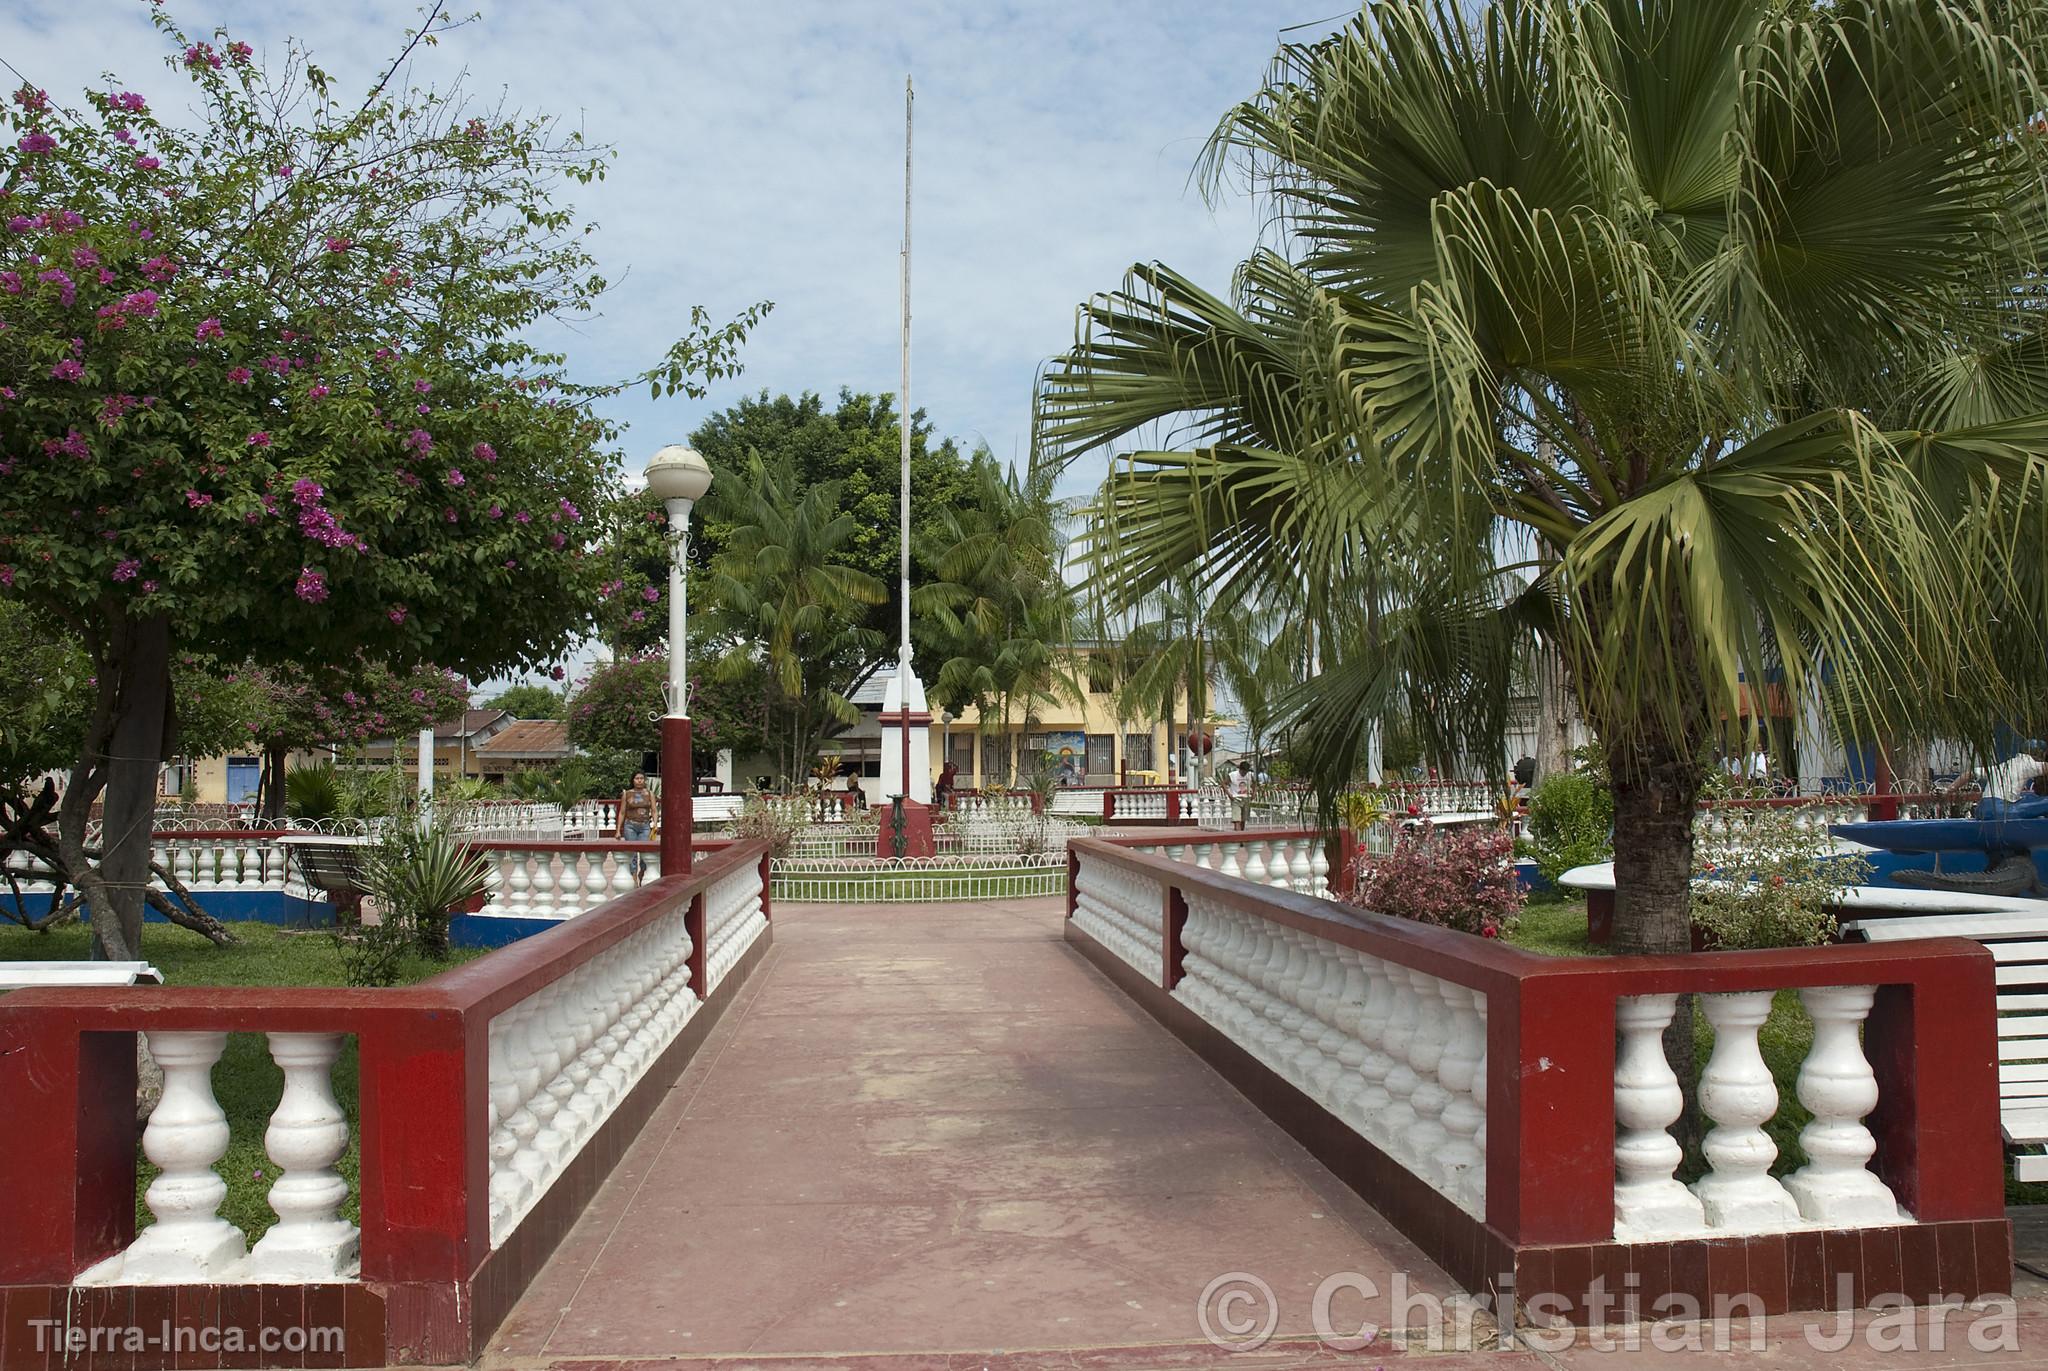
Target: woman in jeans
(636, 817)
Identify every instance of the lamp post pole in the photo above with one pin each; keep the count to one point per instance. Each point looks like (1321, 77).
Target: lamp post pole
(678, 477)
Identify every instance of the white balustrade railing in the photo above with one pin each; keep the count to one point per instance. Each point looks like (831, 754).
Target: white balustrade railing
(1124, 910)
(564, 1057)
(562, 882)
(1738, 1096)
(202, 862)
(187, 1136)
(993, 806)
(1290, 861)
(1396, 1053)
(734, 917)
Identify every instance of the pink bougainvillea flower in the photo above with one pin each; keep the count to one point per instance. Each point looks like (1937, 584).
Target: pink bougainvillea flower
(420, 441)
(497, 511)
(318, 391)
(35, 144)
(125, 569)
(240, 52)
(208, 328)
(67, 370)
(240, 376)
(341, 243)
(484, 452)
(84, 258)
(29, 98)
(650, 594)
(397, 614)
(198, 499)
(422, 386)
(522, 517)
(159, 269)
(128, 100)
(455, 478)
(259, 439)
(147, 163)
(201, 55)
(312, 586)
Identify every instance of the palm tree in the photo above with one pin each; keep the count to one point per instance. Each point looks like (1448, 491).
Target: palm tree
(1165, 657)
(780, 591)
(1003, 612)
(1700, 336)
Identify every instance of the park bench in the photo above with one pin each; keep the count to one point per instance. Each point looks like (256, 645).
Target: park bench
(2016, 932)
(23, 975)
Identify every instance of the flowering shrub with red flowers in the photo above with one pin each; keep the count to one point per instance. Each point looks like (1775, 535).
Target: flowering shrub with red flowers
(1460, 877)
(265, 392)
(1769, 877)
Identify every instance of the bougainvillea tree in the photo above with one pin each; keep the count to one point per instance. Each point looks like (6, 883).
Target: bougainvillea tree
(267, 392)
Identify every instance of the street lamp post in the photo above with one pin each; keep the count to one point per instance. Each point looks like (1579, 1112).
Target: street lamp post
(679, 478)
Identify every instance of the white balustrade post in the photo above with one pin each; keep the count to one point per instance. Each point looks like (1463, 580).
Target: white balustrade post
(187, 1133)
(1836, 1084)
(1648, 1198)
(1739, 1095)
(1461, 1115)
(307, 1135)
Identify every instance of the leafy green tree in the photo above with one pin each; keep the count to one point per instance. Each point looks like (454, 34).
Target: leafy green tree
(268, 395)
(618, 707)
(784, 598)
(527, 700)
(1001, 616)
(1700, 335)
(856, 445)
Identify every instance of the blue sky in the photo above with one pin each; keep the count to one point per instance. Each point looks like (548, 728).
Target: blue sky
(760, 157)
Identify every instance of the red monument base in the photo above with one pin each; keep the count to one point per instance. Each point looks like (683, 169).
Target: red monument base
(917, 831)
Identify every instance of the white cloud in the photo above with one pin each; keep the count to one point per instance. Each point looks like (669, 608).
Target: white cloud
(760, 157)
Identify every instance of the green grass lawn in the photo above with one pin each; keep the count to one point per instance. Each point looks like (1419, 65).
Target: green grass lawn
(245, 1081)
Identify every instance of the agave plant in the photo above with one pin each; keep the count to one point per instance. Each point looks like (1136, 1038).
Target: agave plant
(420, 876)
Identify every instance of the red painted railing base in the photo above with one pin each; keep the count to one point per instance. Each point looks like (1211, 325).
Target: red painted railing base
(1785, 1272)
(381, 1323)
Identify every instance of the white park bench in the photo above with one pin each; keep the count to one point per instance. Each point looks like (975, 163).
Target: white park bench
(2016, 931)
(24, 975)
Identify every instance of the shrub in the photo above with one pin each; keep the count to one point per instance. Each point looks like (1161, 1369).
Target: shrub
(1770, 881)
(417, 875)
(777, 823)
(313, 792)
(1571, 823)
(1461, 877)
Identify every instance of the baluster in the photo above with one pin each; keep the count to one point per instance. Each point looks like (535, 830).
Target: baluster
(1461, 1117)
(186, 1135)
(569, 890)
(1319, 869)
(1398, 1113)
(1647, 1101)
(1738, 1094)
(1230, 865)
(544, 904)
(518, 883)
(307, 1135)
(1475, 1179)
(1836, 1084)
(1425, 1054)
(510, 1190)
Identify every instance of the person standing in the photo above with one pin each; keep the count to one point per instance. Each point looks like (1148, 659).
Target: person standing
(636, 821)
(2011, 778)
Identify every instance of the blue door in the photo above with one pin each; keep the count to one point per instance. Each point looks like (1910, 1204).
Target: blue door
(244, 775)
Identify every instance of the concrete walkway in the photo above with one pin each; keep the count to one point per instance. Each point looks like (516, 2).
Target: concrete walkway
(932, 1136)
(935, 1129)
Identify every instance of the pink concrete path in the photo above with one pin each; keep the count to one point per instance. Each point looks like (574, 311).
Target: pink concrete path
(926, 1130)
(933, 1136)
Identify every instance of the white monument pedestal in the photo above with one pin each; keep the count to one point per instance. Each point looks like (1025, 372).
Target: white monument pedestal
(892, 739)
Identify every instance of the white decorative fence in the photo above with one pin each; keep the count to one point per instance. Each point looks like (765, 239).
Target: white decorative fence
(1390, 1028)
(562, 880)
(562, 1058)
(920, 880)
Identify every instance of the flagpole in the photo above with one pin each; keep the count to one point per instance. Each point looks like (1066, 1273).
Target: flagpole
(903, 424)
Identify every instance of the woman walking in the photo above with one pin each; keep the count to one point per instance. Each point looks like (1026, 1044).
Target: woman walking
(636, 818)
